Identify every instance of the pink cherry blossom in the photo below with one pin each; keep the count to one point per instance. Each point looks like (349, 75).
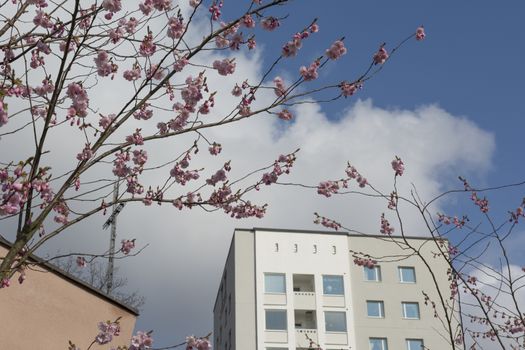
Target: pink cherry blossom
(285, 115)
(80, 99)
(248, 21)
(86, 153)
(147, 47)
(224, 67)
(420, 33)
(127, 246)
(133, 73)
(215, 10)
(141, 341)
(81, 261)
(236, 91)
(43, 20)
(175, 28)
(348, 89)
(310, 73)
(215, 149)
(327, 188)
(270, 23)
(111, 5)
(135, 138)
(398, 166)
(381, 55)
(105, 67)
(280, 88)
(386, 229)
(336, 50)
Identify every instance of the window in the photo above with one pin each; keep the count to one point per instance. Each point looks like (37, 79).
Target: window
(274, 283)
(333, 285)
(335, 321)
(415, 344)
(372, 273)
(410, 310)
(276, 320)
(407, 274)
(378, 344)
(375, 308)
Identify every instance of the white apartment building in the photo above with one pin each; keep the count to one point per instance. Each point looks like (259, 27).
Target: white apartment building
(282, 287)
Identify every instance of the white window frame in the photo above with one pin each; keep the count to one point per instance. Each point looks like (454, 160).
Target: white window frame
(400, 274)
(384, 342)
(274, 274)
(414, 339)
(403, 306)
(377, 270)
(381, 308)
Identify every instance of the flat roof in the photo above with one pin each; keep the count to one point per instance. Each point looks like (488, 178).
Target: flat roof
(325, 232)
(75, 280)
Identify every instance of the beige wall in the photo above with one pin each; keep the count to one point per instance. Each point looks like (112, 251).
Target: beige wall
(47, 310)
(392, 292)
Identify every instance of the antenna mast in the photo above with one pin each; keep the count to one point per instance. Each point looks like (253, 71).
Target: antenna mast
(112, 220)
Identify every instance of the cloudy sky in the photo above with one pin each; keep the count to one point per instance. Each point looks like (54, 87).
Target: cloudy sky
(450, 105)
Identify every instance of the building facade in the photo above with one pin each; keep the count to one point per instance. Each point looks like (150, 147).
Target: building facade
(52, 307)
(283, 289)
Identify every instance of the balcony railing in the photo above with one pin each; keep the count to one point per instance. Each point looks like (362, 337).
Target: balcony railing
(302, 336)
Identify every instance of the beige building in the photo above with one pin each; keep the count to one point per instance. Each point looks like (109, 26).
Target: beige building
(281, 288)
(52, 307)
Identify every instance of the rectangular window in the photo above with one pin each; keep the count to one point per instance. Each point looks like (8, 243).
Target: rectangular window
(410, 310)
(373, 273)
(378, 344)
(335, 321)
(375, 308)
(333, 285)
(276, 320)
(274, 283)
(407, 274)
(415, 344)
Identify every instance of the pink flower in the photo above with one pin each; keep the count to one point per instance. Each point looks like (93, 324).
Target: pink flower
(80, 99)
(136, 138)
(215, 11)
(310, 73)
(86, 153)
(327, 188)
(280, 88)
(336, 50)
(348, 89)
(420, 33)
(81, 261)
(398, 166)
(127, 246)
(111, 5)
(132, 74)
(270, 23)
(147, 47)
(251, 43)
(225, 66)
(385, 226)
(215, 149)
(180, 64)
(285, 115)
(104, 66)
(381, 55)
(236, 91)
(4, 283)
(141, 341)
(42, 19)
(175, 28)
(248, 21)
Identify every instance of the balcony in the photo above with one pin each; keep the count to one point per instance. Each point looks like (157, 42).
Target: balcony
(304, 292)
(305, 327)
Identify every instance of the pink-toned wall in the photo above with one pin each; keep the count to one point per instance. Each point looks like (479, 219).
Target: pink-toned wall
(47, 310)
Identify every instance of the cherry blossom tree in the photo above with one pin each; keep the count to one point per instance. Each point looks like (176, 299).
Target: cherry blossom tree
(482, 307)
(59, 62)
